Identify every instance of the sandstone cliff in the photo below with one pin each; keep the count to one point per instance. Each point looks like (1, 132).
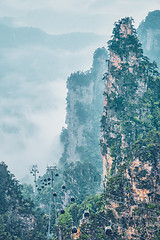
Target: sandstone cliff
(130, 142)
(84, 110)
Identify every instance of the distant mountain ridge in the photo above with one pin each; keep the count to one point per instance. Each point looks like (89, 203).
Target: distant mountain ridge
(12, 37)
(34, 67)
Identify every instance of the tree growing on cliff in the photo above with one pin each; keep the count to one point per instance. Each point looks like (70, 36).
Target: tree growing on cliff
(130, 136)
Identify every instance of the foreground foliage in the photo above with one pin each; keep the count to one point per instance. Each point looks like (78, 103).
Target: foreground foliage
(19, 219)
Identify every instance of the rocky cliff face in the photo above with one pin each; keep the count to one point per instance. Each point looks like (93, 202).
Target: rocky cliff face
(122, 90)
(84, 109)
(149, 35)
(130, 143)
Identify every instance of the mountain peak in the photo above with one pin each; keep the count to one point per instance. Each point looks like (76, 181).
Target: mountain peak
(129, 114)
(124, 41)
(123, 27)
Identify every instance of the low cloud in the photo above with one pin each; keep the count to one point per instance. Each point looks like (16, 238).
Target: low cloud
(75, 15)
(32, 109)
(33, 78)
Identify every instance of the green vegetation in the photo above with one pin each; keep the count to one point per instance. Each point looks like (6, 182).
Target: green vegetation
(130, 134)
(133, 99)
(19, 219)
(84, 110)
(81, 180)
(130, 130)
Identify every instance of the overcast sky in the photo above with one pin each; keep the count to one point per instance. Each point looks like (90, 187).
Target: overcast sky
(61, 16)
(33, 110)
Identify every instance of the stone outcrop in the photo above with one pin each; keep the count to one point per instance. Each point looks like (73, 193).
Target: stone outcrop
(130, 145)
(84, 110)
(121, 89)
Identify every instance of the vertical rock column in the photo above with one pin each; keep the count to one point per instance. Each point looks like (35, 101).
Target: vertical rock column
(122, 88)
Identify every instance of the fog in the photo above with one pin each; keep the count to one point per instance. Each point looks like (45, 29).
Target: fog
(66, 16)
(35, 66)
(32, 96)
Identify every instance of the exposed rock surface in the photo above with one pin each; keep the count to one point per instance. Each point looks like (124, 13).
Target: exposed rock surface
(130, 143)
(84, 110)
